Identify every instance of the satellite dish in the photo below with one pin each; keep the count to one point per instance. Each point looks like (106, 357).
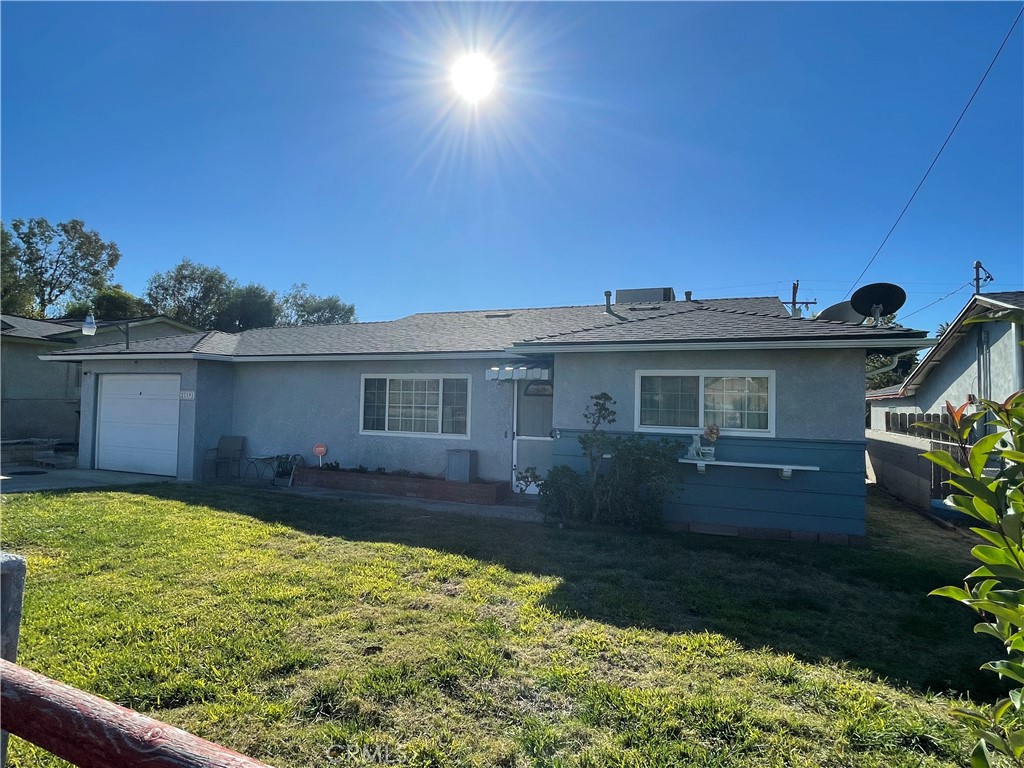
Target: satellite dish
(878, 299)
(842, 312)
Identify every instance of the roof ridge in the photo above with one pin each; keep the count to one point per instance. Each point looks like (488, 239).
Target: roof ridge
(621, 321)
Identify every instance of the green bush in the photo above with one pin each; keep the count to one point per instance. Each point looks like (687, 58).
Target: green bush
(988, 478)
(628, 488)
(565, 495)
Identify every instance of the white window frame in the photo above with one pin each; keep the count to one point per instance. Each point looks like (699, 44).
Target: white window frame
(701, 375)
(432, 435)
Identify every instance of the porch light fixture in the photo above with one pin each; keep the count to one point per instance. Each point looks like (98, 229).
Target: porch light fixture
(89, 328)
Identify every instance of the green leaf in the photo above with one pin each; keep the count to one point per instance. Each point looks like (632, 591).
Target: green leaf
(1015, 697)
(956, 593)
(1011, 525)
(999, 571)
(946, 461)
(985, 628)
(1015, 456)
(979, 454)
(992, 555)
(994, 537)
(979, 489)
(971, 714)
(999, 709)
(980, 757)
(1006, 669)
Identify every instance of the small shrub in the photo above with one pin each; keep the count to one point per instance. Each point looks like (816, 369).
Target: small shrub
(629, 489)
(565, 495)
(331, 466)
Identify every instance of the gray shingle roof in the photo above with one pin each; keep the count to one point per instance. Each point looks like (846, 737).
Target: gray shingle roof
(707, 323)
(31, 328)
(1013, 298)
(494, 331)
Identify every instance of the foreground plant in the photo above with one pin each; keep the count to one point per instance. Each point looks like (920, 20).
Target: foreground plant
(990, 477)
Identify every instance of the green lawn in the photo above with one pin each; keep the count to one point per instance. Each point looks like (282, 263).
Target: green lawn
(283, 626)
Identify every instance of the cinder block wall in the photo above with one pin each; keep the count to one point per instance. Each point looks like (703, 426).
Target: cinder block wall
(899, 468)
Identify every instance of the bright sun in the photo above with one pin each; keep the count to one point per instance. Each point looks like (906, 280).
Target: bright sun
(473, 77)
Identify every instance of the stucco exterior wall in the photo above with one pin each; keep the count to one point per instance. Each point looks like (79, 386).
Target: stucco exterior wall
(289, 407)
(819, 393)
(38, 399)
(214, 407)
(819, 422)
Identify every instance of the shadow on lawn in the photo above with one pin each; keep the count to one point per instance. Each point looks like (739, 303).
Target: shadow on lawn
(868, 607)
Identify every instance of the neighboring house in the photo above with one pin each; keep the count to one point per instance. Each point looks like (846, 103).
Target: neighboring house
(41, 400)
(969, 361)
(510, 386)
(976, 360)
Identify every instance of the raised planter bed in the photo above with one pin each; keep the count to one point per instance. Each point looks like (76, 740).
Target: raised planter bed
(398, 485)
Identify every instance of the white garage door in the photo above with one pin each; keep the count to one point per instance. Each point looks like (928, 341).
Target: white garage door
(138, 423)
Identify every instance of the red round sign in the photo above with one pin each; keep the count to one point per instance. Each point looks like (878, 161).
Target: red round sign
(320, 449)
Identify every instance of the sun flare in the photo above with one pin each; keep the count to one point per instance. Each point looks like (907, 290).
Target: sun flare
(473, 77)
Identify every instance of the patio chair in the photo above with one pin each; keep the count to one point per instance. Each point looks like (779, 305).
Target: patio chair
(285, 468)
(228, 454)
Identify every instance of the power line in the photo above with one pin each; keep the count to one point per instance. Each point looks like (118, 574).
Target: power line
(939, 153)
(943, 298)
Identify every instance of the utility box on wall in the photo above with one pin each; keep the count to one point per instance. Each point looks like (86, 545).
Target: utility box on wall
(461, 466)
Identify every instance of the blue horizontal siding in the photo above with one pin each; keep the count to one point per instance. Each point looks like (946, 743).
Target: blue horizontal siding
(831, 500)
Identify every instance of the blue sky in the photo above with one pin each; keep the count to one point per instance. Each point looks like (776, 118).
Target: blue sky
(727, 149)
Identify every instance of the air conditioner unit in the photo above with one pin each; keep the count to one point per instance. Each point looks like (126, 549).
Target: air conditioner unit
(461, 466)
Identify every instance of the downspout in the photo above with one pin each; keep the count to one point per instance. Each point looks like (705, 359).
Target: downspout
(890, 366)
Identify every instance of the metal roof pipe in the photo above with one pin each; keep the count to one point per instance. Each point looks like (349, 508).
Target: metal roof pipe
(608, 302)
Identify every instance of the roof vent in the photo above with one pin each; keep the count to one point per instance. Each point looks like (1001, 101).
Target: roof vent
(494, 315)
(647, 308)
(635, 295)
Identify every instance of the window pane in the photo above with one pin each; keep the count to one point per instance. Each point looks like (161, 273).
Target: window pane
(455, 403)
(742, 404)
(374, 403)
(668, 401)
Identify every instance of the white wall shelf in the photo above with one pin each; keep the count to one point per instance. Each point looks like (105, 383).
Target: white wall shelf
(785, 470)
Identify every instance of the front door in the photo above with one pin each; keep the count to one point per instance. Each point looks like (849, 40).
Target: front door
(531, 446)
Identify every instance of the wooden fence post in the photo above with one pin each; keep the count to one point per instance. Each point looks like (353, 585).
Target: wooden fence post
(12, 592)
(91, 732)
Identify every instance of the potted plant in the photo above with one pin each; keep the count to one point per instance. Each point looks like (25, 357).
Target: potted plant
(711, 434)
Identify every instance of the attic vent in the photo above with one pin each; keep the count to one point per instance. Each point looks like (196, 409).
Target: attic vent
(493, 315)
(632, 295)
(647, 308)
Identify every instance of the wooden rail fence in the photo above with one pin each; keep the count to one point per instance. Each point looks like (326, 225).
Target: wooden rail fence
(91, 732)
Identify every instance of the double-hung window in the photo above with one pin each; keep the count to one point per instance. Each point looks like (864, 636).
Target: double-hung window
(738, 402)
(416, 404)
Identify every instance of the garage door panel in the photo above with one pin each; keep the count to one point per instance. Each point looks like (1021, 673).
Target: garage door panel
(154, 386)
(130, 460)
(138, 423)
(150, 413)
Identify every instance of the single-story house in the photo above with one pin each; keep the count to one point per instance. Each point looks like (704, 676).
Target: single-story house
(976, 360)
(41, 400)
(510, 386)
